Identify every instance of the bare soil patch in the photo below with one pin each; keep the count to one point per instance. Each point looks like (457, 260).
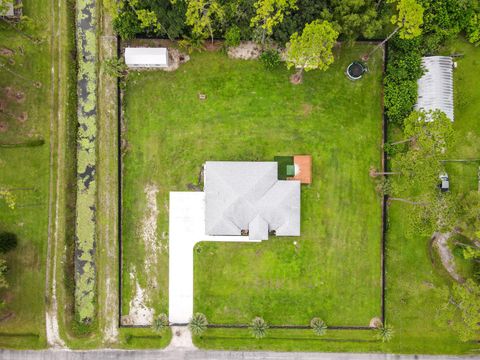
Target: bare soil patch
(296, 79)
(440, 242)
(23, 117)
(247, 50)
(16, 95)
(6, 52)
(376, 322)
(307, 109)
(3, 126)
(140, 313)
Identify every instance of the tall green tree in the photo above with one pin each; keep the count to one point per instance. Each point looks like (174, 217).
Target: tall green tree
(427, 137)
(269, 13)
(408, 21)
(313, 48)
(354, 18)
(201, 15)
(461, 309)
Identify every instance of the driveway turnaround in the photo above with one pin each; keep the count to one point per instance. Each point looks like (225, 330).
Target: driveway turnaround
(186, 228)
(204, 355)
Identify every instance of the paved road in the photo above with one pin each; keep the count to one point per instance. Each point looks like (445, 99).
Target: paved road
(204, 355)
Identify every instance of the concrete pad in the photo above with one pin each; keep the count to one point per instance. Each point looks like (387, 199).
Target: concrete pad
(186, 228)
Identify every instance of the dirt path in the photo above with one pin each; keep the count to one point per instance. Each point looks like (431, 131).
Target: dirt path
(141, 312)
(440, 242)
(107, 195)
(56, 161)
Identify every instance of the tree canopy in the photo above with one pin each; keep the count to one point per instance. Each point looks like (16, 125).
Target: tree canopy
(427, 138)
(409, 18)
(461, 309)
(313, 48)
(201, 15)
(269, 13)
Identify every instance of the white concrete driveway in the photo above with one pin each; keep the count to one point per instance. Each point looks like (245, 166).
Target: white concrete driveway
(186, 228)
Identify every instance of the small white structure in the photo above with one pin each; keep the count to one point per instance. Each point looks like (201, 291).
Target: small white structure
(9, 11)
(435, 87)
(142, 57)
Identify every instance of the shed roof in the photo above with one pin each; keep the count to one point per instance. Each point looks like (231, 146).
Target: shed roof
(435, 87)
(146, 57)
(248, 196)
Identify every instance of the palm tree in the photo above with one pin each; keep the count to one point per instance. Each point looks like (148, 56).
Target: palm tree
(160, 323)
(318, 325)
(198, 324)
(384, 332)
(259, 327)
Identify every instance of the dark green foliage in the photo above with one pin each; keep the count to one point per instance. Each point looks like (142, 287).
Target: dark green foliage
(352, 18)
(403, 70)
(170, 17)
(400, 97)
(233, 36)
(127, 25)
(8, 241)
(445, 19)
(270, 59)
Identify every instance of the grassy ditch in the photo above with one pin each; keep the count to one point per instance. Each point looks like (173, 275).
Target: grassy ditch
(85, 272)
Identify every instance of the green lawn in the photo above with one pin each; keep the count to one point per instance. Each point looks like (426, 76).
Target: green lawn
(254, 114)
(26, 171)
(411, 277)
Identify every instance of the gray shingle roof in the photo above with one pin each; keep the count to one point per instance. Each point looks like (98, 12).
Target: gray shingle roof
(248, 196)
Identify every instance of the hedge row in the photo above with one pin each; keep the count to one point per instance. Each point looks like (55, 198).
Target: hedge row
(85, 272)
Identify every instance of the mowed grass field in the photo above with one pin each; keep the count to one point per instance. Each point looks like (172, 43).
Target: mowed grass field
(25, 170)
(253, 114)
(412, 280)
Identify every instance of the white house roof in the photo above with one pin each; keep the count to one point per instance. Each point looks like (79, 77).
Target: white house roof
(248, 196)
(146, 57)
(435, 87)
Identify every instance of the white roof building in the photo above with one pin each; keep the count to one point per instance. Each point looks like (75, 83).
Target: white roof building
(142, 57)
(435, 87)
(246, 196)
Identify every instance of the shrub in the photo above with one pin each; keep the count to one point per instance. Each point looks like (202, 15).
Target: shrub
(259, 328)
(384, 333)
(160, 323)
(233, 36)
(270, 59)
(3, 271)
(8, 241)
(198, 324)
(127, 25)
(400, 97)
(318, 325)
(191, 44)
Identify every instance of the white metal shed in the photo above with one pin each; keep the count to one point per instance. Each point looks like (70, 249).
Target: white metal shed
(142, 57)
(435, 87)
